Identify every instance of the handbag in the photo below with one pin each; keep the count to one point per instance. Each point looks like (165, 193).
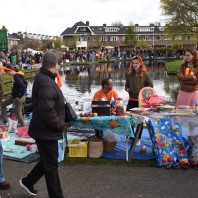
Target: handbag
(70, 114)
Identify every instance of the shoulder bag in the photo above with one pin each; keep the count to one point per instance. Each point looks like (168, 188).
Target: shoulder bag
(70, 114)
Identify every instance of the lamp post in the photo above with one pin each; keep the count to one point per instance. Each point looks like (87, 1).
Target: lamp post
(153, 37)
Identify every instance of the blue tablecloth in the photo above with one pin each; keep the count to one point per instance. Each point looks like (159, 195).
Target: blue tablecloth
(115, 124)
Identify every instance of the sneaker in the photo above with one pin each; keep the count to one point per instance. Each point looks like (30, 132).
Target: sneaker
(138, 143)
(29, 189)
(4, 185)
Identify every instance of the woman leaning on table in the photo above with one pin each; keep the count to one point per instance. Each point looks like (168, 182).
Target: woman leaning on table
(187, 76)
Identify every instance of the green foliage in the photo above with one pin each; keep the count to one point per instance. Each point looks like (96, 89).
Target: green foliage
(181, 17)
(58, 43)
(142, 43)
(116, 23)
(4, 29)
(46, 44)
(173, 66)
(131, 36)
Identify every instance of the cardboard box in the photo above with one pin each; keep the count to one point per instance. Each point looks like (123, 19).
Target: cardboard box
(102, 108)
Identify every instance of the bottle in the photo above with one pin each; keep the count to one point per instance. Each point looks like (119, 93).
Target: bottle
(120, 107)
(112, 102)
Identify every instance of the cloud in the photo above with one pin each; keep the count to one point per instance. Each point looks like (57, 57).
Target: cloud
(53, 17)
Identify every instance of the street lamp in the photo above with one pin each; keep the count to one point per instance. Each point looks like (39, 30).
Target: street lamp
(153, 37)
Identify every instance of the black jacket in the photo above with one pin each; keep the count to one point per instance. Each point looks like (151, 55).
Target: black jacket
(48, 107)
(19, 86)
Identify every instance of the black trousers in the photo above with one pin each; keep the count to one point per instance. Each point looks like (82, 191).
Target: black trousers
(48, 166)
(132, 104)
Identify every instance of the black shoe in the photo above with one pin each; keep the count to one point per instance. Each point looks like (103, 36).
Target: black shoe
(29, 189)
(4, 185)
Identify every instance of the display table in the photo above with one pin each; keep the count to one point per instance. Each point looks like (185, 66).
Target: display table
(167, 130)
(115, 124)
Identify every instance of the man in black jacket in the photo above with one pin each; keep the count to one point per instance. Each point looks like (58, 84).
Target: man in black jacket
(46, 126)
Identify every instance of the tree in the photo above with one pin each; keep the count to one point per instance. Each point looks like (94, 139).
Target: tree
(131, 36)
(117, 23)
(33, 44)
(182, 18)
(142, 43)
(58, 43)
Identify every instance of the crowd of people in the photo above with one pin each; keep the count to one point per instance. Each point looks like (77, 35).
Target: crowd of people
(18, 57)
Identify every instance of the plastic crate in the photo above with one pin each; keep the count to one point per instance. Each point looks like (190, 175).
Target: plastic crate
(77, 148)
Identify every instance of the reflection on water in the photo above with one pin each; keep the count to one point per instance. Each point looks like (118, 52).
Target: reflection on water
(81, 82)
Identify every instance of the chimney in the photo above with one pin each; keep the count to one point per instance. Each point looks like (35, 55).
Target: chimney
(87, 23)
(136, 25)
(104, 25)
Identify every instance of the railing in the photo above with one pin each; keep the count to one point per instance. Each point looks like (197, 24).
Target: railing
(26, 78)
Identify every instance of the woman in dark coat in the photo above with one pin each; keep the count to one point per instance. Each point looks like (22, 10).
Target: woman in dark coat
(47, 125)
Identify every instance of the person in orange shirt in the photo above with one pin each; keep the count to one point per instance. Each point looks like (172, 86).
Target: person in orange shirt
(107, 92)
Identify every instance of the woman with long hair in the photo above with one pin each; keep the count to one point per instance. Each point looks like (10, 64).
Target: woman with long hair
(187, 76)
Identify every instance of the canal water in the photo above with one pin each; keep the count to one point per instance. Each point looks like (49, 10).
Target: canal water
(81, 82)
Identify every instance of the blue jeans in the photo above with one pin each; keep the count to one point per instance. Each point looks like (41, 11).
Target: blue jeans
(2, 179)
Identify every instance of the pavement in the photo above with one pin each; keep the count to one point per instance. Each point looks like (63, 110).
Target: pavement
(103, 181)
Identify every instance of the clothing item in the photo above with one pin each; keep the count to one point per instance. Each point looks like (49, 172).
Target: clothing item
(18, 108)
(136, 81)
(29, 189)
(5, 185)
(48, 166)
(186, 98)
(48, 107)
(19, 85)
(2, 179)
(187, 83)
(101, 94)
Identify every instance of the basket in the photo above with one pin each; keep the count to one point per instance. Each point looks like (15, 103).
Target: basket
(109, 146)
(77, 148)
(95, 147)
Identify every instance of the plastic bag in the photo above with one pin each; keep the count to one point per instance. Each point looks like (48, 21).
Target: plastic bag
(12, 127)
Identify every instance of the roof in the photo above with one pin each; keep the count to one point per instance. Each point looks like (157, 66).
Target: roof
(101, 29)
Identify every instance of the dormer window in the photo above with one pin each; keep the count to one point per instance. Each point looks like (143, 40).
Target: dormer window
(82, 29)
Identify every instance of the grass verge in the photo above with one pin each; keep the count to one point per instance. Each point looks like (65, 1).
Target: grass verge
(172, 66)
(109, 162)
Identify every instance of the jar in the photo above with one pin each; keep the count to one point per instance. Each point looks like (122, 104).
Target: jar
(120, 107)
(196, 105)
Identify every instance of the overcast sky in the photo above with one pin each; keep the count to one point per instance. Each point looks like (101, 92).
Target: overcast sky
(52, 17)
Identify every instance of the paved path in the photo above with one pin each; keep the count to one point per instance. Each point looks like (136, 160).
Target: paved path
(99, 181)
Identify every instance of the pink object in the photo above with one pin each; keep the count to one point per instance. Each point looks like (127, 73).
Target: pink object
(23, 132)
(186, 98)
(28, 147)
(13, 116)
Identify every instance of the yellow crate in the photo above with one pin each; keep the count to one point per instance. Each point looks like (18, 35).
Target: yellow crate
(77, 148)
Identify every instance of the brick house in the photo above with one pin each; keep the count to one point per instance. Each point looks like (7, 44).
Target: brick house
(85, 36)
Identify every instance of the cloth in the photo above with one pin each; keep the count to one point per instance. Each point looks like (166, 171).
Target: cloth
(186, 98)
(2, 179)
(101, 94)
(135, 82)
(166, 136)
(48, 108)
(48, 166)
(114, 124)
